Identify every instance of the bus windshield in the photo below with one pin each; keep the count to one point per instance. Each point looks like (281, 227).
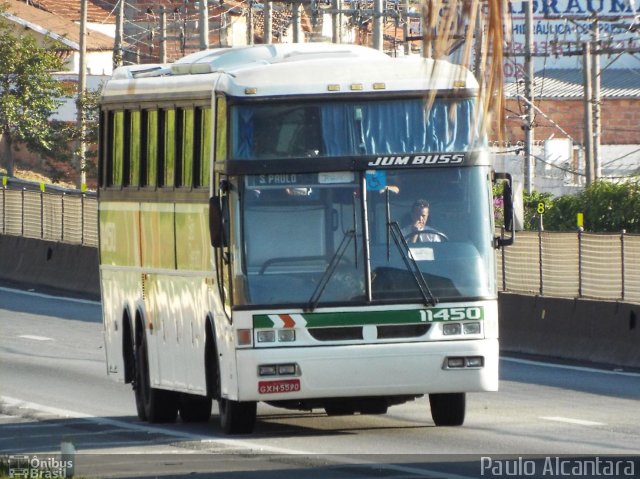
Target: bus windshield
(305, 237)
(344, 128)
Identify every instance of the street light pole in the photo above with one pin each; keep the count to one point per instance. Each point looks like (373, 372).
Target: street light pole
(82, 87)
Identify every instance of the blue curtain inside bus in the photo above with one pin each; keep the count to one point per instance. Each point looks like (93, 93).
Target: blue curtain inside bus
(350, 128)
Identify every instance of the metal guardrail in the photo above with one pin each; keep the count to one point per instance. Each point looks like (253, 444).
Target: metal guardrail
(568, 265)
(34, 211)
(574, 265)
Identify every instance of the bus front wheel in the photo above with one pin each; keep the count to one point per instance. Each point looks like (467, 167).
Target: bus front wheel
(154, 405)
(237, 417)
(448, 409)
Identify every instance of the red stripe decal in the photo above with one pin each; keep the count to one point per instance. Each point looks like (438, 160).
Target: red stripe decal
(288, 321)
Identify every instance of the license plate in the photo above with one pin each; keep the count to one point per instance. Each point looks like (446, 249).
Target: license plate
(282, 386)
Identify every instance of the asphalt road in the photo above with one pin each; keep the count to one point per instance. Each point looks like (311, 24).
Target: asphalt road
(547, 419)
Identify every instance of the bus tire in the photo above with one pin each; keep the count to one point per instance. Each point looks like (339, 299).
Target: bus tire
(156, 405)
(237, 417)
(448, 409)
(194, 408)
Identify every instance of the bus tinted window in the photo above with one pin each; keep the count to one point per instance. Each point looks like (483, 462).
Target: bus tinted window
(117, 157)
(187, 147)
(352, 128)
(134, 148)
(152, 156)
(167, 171)
(205, 147)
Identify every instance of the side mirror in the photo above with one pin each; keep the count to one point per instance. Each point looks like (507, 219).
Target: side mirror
(507, 201)
(215, 222)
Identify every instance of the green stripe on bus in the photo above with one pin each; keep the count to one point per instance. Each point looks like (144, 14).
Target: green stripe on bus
(361, 318)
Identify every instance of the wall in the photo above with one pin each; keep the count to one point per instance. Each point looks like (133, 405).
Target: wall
(49, 264)
(620, 120)
(606, 332)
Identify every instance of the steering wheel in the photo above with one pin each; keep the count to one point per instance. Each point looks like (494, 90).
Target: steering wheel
(443, 237)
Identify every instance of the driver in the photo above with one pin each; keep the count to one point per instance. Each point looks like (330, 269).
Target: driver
(417, 230)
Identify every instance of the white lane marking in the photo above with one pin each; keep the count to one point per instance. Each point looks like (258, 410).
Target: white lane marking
(568, 420)
(572, 368)
(236, 443)
(49, 296)
(34, 337)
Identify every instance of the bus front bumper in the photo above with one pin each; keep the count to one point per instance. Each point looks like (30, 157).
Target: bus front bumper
(367, 370)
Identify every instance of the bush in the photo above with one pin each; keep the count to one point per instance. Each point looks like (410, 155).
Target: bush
(606, 206)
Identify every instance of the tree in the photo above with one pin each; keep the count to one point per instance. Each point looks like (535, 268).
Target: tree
(29, 93)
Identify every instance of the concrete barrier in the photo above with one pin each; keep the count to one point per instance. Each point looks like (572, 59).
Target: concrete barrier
(50, 264)
(605, 332)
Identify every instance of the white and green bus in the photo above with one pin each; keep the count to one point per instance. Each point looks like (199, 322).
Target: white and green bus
(253, 207)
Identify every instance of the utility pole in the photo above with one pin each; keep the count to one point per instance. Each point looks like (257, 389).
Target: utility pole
(335, 37)
(295, 19)
(204, 24)
(268, 21)
(377, 25)
(595, 74)
(82, 87)
(250, 24)
(118, 53)
(588, 112)
(405, 27)
(163, 35)
(529, 161)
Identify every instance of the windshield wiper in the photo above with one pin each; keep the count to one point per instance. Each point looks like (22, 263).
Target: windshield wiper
(394, 230)
(411, 263)
(331, 268)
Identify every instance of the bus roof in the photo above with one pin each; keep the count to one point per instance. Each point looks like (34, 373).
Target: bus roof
(287, 69)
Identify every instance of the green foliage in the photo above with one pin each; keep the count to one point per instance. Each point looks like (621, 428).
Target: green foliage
(530, 203)
(562, 216)
(30, 93)
(612, 207)
(606, 206)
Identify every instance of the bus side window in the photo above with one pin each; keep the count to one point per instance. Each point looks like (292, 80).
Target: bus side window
(115, 156)
(101, 148)
(202, 147)
(133, 171)
(150, 142)
(186, 152)
(167, 156)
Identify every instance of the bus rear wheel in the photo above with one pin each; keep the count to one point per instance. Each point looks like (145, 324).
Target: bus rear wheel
(153, 405)
(448, 409)
(194, 408)
(237, 417)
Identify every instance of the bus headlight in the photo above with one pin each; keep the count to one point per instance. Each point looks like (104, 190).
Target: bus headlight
(474, 362)
(286, 335)
(462, 362)
(288, 369)
(471, 328)
(450, 329)
(266, 336)
(267, 370)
